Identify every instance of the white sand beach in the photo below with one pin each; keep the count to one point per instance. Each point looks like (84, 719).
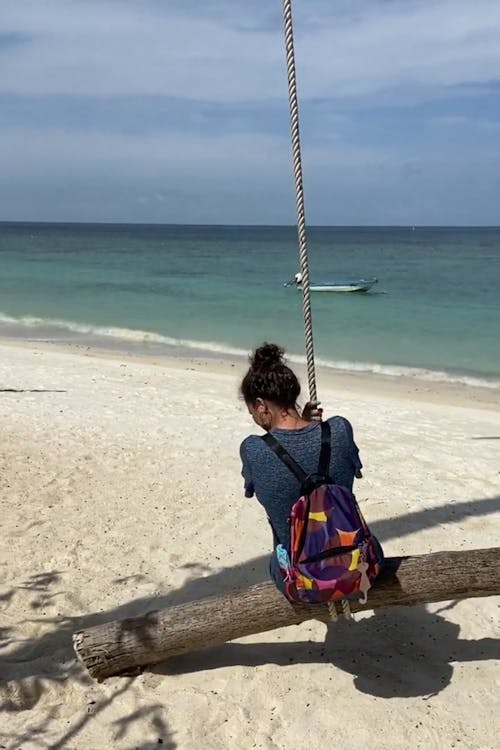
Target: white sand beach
(121, 492)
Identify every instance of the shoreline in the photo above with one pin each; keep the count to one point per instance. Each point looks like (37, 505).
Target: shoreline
(352, 382)
(153, 344)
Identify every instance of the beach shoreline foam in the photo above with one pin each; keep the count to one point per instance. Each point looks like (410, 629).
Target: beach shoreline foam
(147, 343)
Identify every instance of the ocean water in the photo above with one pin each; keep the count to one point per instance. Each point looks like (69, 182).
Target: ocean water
(435, 312)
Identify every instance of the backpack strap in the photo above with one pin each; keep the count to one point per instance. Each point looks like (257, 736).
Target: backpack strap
(290, 463)
(285, 457)
(326, 450)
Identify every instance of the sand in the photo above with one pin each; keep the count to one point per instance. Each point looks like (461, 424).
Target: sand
(122, 493)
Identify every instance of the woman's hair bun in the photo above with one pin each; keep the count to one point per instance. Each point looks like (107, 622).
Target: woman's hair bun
(267, 356)
(270, 378)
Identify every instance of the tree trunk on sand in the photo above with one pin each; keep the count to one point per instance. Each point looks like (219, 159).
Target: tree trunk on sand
(120, 646)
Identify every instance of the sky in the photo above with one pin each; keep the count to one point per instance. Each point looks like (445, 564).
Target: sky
(176, 111)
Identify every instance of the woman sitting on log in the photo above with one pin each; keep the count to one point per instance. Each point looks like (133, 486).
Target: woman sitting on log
(271, 390)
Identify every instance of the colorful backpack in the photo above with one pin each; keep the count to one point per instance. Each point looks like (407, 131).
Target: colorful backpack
(333, 554)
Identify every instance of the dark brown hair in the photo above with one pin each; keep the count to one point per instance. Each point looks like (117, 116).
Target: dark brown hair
(270, 378)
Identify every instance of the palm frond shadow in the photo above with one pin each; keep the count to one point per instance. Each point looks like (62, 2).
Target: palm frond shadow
(29, 670)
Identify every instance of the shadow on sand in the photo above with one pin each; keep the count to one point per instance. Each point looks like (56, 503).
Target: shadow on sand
(392, 653)
(398, 652)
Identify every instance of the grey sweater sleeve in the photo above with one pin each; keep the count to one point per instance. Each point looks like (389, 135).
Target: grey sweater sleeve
(353, 449)
(246, 471)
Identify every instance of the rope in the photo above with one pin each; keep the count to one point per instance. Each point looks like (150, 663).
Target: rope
(332, 611)
(346, 609)
(301, 220)
(299, 192)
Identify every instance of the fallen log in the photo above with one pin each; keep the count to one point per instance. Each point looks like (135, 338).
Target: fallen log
(122, 645)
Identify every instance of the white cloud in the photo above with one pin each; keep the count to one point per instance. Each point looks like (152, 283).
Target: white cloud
(353, 48)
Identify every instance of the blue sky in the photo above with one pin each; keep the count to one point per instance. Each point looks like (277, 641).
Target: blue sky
(177, 111)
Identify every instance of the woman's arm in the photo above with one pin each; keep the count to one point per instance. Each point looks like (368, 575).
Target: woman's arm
(246, 471)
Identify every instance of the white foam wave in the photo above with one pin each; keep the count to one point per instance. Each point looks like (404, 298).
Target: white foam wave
(151, 337)
(418, 373)
(120, 334)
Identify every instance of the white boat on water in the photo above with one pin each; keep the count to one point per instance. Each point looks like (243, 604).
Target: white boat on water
(360, 285)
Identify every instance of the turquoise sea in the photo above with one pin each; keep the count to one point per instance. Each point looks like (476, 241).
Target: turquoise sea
(219, 290)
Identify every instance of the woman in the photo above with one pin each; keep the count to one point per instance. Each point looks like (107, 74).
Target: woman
(270, 390)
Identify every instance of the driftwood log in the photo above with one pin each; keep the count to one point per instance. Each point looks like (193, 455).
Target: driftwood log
(122, 645)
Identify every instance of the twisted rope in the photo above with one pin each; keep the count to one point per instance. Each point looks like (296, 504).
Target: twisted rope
(299, 192)
(301, 223)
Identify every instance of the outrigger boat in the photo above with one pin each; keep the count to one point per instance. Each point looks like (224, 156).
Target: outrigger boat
(361, 285)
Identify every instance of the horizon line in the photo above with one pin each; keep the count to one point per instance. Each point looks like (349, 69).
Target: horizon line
(219, 225)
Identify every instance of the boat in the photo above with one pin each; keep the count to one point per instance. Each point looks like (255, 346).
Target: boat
(361, 285)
